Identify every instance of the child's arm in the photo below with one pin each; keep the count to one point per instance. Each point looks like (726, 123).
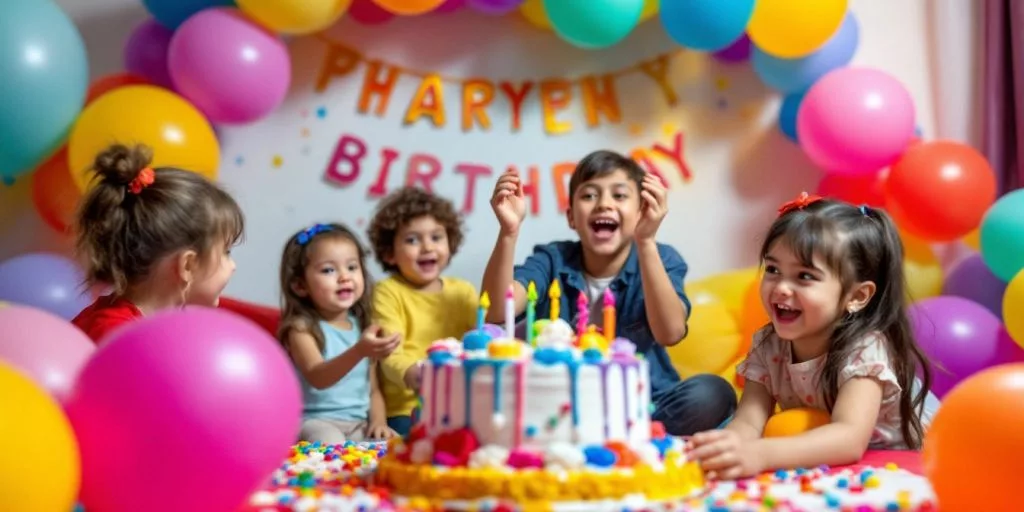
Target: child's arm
(378, 424)
(509, 207)
(400, 367)
(323, 374)
(663, 304)
(752, 413)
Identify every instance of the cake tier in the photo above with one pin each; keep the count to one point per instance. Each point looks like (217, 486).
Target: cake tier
(529, 404)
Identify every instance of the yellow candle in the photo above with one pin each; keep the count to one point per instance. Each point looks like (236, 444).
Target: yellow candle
(555, 294)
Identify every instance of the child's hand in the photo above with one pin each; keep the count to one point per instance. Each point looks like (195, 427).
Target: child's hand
(379, 432)
(653, 207)
(724, 455)
(508, 203)
(374, 343)
(413, 376)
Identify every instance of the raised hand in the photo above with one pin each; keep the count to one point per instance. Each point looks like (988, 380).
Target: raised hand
(508, 202)
(653, 207)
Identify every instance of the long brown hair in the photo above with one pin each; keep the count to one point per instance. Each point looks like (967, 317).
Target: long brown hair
(861, 244)
(298, 312)
(124, 225)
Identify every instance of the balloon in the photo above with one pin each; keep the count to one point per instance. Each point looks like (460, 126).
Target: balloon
(45, 281)
(46, 348)
(738, 51)
(855, 120)
(110, 82)
(959, 335)
(409, 7)
(54, 193)
(792, 75)
(40, 466)
(860, 189)
(209, 394)
(973, 239)
(971, 279)
(368, 13)
(788, 113)
(793, 422)
(593, 24)
(533, 11)
(728, 288)
(972, 450)
(1013, 306)
(1002, 235)
(706, 25)
(179, 135)
(651, 7)
(145, 53)
(45, 73)
(921, 268)
(794, 28)
(295, 16)
(171, 13)
(712, 343)
(752, 316)
(491, 6)
(940, 190)
(450, 6)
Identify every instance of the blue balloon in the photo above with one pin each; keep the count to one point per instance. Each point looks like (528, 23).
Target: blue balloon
(593, 24)
(706, 25)
(791, 75)
(46, 281)
(171, 13)
(1002, 236)
(44, 73)
(787, 115)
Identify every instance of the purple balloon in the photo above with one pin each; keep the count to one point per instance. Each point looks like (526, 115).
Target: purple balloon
(494, 331)
(792, 75)
(209, 394)
(145, 53)
(47, 348)
(231, 69)
(449, 6)
(493, 6)
(961, 337)
(972, 279)
(738, 51)
(46, 281)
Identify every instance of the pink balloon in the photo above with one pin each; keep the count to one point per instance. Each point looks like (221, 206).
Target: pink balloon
(184, 410)
(45, 347)
(855, 121)
(230, 68)
(368, 12)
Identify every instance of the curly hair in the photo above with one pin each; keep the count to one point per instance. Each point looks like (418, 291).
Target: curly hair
(403, 206)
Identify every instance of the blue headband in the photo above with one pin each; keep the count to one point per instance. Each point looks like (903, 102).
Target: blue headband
(310, 232)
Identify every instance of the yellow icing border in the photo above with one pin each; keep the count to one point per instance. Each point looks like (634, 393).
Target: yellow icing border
(535, 489)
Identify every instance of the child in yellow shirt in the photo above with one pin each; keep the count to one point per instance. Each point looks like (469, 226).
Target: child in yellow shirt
(414, 235)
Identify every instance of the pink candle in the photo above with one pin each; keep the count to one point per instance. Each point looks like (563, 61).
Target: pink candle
(582, 313)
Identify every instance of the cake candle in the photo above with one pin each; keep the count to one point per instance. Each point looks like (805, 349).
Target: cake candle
(531, 312)
(609, 315)
(485, 304)
(555, 294)
(510, 312)
(582, 313)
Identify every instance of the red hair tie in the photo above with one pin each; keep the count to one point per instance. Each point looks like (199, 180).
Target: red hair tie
(799, 203)
(144, 179)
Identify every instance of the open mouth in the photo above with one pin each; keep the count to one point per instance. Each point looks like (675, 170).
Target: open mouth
(346, 293)
(603, 228)
(785, 314)
(427, 265)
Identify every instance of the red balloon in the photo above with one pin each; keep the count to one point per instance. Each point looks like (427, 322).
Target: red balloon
(940, 190)
(110, 82)
(54, 192)
(858, 189)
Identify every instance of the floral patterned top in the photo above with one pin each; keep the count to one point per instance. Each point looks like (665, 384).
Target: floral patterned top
(793, 385)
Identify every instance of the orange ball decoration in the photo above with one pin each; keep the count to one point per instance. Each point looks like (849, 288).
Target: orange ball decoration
(753, 316)
(110, 82)
(409, 7)
(939, 191)
(792, 422)
(972, 452)
(54, 192)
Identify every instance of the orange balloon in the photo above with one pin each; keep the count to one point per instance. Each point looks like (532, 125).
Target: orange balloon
(54, 192)
(940, 190)
(110, 82)
(972, 452)
(409, 7)
(753, 316)
(792, 422)
(856, 190)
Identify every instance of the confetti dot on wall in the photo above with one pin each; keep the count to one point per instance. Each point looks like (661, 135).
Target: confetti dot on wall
(360, 221)
(305, 132)
(321, 112)
(304, 113)
(722, 104)
(669, 129)
(277, 161)
(8, 180)
(239, 160)
(721, 83)
(635, 129)
(305, 150)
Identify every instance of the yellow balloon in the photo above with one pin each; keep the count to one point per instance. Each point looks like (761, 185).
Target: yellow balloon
(793, 422)
(1013, 308)
(921, 268)
(651, 7)
(712, 343)
(40, 468)
(790, 29)
(533, 11)
(973, 239)
(179, 135)
(728, 288)
(409, 7)
(295, 16)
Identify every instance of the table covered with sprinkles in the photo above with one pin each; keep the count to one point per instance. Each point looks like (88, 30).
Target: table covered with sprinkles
(340, 478)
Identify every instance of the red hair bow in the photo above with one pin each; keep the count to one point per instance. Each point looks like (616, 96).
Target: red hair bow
(799, 203)
(142, 180)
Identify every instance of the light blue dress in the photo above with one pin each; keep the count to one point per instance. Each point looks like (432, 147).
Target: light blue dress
(349, 398)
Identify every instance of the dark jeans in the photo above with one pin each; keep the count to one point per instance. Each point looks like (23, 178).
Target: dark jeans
(702, 402)
(400, 424)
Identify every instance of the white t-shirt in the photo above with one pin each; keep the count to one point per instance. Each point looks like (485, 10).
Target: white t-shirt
(595, 294)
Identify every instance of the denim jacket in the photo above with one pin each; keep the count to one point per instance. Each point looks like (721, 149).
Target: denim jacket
(564, 261)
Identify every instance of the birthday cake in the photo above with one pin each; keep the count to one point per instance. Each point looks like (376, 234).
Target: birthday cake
(559, 421)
